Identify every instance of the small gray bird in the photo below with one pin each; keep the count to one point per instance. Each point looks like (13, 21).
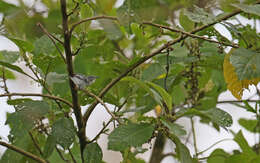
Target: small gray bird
(81, 81)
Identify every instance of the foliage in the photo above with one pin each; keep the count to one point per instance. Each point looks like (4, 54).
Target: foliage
(145, 55)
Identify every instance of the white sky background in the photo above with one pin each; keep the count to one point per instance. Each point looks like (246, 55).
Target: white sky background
(205, 135)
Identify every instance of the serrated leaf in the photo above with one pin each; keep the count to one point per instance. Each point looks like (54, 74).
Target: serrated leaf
(64, 132)
(220, 117)
(165, 96)
(174, 128)
(43, 46)
(251, 9)
(9, 56)
(27, 112)
(243, 144)
(24, 45)
(200, 16)
(246, 63)
(92, 153)
(129, 135)
(235, 85)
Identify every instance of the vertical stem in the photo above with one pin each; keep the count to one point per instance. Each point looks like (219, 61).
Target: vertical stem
(194, 137)
(158, 147)
(76, 107)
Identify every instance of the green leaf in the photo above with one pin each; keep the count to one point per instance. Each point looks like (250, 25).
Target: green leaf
(86, 11)
(174, 128)
(129, 135)
(241, 141)
(185, 22)
(238, 158)
(200, 16)
(44, 46)
(251, 9)
(152, 72)
(251, 125)
(9, 56)
(64, 132)
(178, 93)
(53, 77)
(49, 146)
(27, 112)
(24, 45)
(182, 151)
(12, 67)
(246, 63)
(218, 156)
(7, 8)
(112, 30)
(92, 153)
(144, 86)
(8, 74)
(166, 97)
(220, 117)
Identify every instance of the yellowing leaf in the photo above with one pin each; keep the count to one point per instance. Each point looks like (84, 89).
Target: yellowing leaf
(235, 85)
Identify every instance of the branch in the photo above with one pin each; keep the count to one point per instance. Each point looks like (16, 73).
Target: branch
(101, 101)
(21, 151)
(51, 37)
(36, 94)
(101, 131)
(145, 58)
(73, 26)
(73, 90)
(190, 34)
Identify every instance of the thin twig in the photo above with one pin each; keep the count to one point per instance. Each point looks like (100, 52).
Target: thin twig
(37, 94)
(23, 152)
(73, 26)
(36, 144)
(190, 34)
(101, 131)
(72, 157)
(101, 101)
(199, 153)
(147, 57)
(60, 154)
(51, 37)
(74, 9)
